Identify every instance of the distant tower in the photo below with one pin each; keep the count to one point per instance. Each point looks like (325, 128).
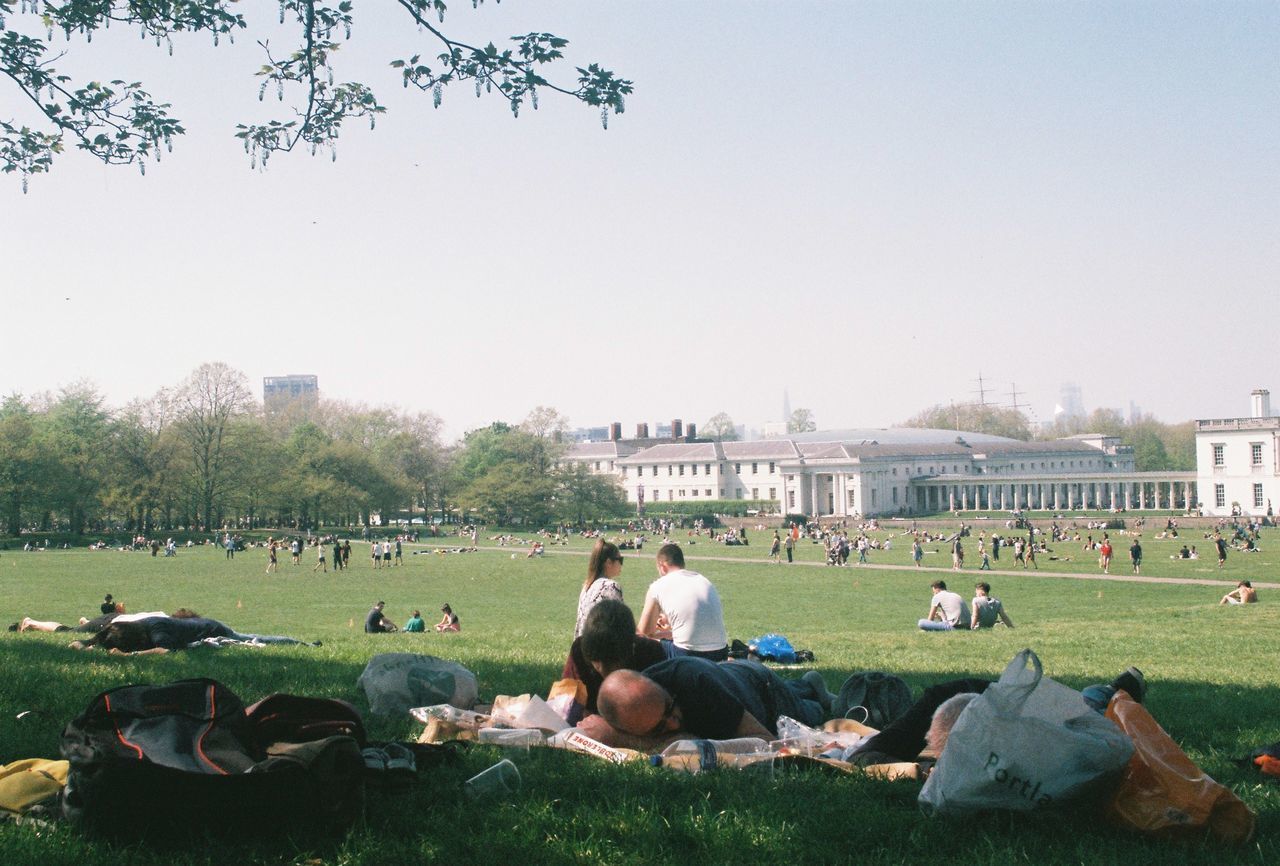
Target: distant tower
(1069, 400)
(786, 405)
(280, 392)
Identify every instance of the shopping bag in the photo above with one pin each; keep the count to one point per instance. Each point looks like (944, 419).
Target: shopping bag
(1163, 792)
(1026, 743)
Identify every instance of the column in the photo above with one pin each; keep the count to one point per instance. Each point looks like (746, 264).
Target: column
(1114, 495)
(1172, 500)
(1155, 490)
(1057, 497)
(951, 498)
(813, 494)
(1186, 495)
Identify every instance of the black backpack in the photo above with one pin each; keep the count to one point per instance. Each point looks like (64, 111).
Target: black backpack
(185, 759)
(885, 698)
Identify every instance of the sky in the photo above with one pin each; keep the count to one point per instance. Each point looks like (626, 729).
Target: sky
(866, 205)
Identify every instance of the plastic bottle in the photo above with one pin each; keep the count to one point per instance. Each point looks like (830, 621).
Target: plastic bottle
(696, 756)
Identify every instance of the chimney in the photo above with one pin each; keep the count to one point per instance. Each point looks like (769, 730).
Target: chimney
(1261, 403)
(615, 431)
(677, 429)
(642, 431)
(693, 432)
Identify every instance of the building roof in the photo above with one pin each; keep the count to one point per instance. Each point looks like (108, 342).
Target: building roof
(598, 450)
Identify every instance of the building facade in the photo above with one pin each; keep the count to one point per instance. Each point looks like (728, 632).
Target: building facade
(891, 472)
(1238, 461)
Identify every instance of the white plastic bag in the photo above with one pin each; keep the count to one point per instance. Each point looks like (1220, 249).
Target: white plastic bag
(395, 683)
(1025, 743)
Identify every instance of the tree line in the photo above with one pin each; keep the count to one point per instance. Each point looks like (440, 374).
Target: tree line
(1157, 446)
(205, 455)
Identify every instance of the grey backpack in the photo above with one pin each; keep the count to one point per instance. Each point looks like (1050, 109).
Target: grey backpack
(884, 697)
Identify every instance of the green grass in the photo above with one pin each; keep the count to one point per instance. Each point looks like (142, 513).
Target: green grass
(1212, 671)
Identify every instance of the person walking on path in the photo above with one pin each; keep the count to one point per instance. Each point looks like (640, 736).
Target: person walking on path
(1135, 555)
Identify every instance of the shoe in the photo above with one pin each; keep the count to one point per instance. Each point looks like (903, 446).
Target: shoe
(402, 768)
(317, 643)
(1133, 682)
(375, 762)
(819, 688)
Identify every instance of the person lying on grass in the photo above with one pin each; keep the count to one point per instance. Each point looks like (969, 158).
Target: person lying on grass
(608, 643)
(86, 625)
(164, 634)
(689, 696)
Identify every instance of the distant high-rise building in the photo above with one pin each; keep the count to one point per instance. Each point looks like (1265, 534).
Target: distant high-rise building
(1070, 402)
(279, 392)
(786, 405)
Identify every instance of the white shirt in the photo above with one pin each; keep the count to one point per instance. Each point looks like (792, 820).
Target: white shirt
(954, 610)
(692, 606)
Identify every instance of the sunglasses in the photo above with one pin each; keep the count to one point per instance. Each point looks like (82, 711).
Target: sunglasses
(661, 727)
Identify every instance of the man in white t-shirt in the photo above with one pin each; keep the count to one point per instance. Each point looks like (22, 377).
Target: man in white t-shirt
(948, 610)
(691, 607)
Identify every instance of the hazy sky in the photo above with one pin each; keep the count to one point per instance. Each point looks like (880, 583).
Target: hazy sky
(866, 203)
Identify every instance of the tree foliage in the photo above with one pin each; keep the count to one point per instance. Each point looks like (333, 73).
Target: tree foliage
(720, 427)
(1156, 445)
(973, 417)
(801, 421)
(120, 122)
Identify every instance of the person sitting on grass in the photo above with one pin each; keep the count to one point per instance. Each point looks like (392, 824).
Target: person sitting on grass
(415, 623)
(689, 696)
(947, 611)
(162, 634)
(449, 621)
(987, 610)
(1244, 593)
(376, 623)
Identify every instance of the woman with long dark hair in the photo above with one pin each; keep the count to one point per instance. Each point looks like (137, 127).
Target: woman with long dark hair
(603, 569)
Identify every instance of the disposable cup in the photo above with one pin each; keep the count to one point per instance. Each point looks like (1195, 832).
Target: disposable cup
(500, 780)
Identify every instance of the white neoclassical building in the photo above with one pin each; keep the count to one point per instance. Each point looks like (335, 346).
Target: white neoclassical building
(1238, 461)
(893, 471)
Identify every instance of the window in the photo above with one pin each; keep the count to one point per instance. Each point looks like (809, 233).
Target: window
(668, 470)
(722, 493)
(755, 468)
(755, 492)
(1219, 495)
(1217, 455)
(624, 472)
(683, 493)
(695, 491)
(739, 493)
(708, 468)
(670, 495)
(851, 503)
(873, 497)
(681, 468)
(708, 492)
(773, 492)
(655, 472)
(771, 467)
(639, 471)
(895, 470)
(695, 468)
(1257, 496)
(597, 465)
(1255, 451)
(791, 499)
(895, 496)
(610, 465)
(737, 467)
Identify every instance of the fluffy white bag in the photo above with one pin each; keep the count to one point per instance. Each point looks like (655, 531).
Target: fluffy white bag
(395, 683)
(1025, 743)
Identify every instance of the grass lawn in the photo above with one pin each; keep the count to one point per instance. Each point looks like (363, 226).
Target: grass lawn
(1213, 676)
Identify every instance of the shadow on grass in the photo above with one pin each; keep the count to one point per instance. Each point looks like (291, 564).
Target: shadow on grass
(576, 809)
